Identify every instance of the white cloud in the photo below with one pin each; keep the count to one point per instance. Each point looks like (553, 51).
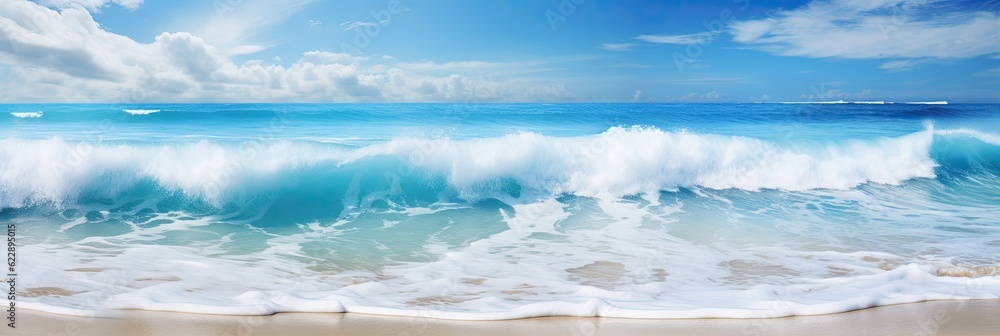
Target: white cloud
(699, 38)
(236, 29)
(873, 29)
(66, 56)
(637, 96)
(475, 67)
(995, 72)
(313, 23)
(617, 46)
(899, 65)
(821, 94)
(189, 54)
(349, 25)
(92, 5)
(323, 57)
(711, 96)
(32, 34)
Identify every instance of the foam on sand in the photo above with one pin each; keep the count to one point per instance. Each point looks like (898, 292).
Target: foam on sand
(552, 264)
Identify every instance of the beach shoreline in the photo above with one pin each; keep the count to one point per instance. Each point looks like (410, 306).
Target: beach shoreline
(953, 317)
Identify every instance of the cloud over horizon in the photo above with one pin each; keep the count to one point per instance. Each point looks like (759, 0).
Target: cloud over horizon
(873, 30)
(65, 55)
(404, 51)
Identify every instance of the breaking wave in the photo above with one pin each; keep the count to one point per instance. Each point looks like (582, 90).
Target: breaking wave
(618, 162)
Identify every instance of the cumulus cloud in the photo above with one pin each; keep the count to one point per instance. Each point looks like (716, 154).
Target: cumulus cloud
(66, 56)
(32, 34)
(874, 30)
(474, 67)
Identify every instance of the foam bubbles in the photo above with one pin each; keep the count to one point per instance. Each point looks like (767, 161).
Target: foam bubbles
(588, 257)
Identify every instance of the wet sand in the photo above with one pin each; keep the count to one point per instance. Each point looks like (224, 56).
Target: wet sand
(969, 317)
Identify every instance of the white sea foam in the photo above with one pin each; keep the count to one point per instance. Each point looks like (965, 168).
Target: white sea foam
(816, 102)
(929, 103)
(55, 170)
(620, 161)
(140, 112)
(624, 161)
(553, 260)
(877, 102)
(26, 114)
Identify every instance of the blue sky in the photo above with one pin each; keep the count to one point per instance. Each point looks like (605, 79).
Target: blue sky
(545, 50)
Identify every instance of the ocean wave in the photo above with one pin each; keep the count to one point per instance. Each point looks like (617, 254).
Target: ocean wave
(26, 114)
(141, 112)
(619, 162)
(625, 161)
(990, 138)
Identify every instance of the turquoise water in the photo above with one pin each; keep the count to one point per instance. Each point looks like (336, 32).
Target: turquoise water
(491, 211)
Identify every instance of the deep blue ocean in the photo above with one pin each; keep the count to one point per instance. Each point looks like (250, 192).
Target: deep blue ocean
(497, 211)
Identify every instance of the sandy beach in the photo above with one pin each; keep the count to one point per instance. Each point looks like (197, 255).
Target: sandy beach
(972, 317)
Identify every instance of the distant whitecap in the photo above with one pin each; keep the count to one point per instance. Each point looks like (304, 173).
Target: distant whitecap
(929, 103)
(141, 112)
(26, 114)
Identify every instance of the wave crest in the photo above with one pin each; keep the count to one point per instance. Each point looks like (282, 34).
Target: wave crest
(621, 161)
(633, 160)
(141, 112)
(26, 114)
